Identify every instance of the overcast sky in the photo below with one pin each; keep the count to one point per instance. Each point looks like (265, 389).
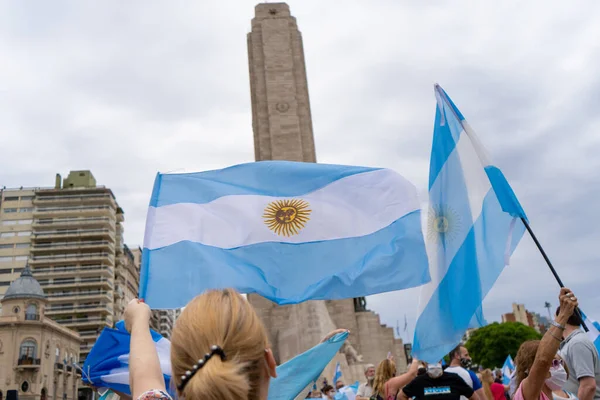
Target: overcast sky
(127, 89)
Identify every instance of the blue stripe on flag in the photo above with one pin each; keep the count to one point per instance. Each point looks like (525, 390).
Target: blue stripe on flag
(445, 137)
(266, 178)
(277, 271)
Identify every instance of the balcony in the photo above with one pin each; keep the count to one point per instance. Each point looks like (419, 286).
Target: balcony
(78, 257)
(77, 322)
(25, 362)
(75, 222)
(32, 317)
(59, 367)
(85, 348)
(73, 233)
(81, 282)
(91, 294)
(92, 308)
(87, 334)
(92, 211)
(41, 272)
(66, 246)
(74, 199)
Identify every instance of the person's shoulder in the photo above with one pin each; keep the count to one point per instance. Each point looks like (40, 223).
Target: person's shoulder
(580, 342)
(451, 375)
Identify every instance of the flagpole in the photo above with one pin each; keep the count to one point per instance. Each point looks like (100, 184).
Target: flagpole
(560, 283)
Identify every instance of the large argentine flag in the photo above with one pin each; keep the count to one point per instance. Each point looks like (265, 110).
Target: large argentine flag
(107, 365)
(473, 227)
(288, 231)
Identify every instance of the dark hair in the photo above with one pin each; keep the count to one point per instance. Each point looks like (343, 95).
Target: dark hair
(455, 351)
(574, 319)
(326, 389)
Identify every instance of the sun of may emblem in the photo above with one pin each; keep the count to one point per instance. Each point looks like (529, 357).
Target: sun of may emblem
(443, 223)
(287, 217)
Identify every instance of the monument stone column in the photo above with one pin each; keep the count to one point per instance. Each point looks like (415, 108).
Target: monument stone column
(282, 125)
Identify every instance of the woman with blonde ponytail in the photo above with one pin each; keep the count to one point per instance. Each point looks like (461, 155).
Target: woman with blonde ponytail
(219, 351)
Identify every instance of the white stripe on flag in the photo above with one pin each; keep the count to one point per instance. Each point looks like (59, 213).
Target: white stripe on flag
(477, 185)
(353, 206)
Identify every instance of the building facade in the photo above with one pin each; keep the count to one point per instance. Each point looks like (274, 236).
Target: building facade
(531, 319)
(72, 237)
(37, 355)
(282, 126)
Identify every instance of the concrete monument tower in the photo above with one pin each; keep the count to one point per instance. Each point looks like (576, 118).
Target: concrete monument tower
(282, 125)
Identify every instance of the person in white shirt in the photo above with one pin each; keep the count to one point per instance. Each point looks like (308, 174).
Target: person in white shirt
(365, 390)
(460, 362)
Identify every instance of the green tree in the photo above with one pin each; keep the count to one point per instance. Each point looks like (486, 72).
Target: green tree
(489, 346)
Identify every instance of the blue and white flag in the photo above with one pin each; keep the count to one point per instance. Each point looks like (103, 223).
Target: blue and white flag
(473, 227)
(107, 365)
(347, 392)
(288, 231)
(337, 374)
(507, 370)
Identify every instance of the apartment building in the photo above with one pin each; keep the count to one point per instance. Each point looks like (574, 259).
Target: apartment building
(127, 279)
(72, 237)
(16, 219)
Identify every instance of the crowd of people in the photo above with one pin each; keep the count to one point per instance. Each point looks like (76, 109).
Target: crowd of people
(220, 351)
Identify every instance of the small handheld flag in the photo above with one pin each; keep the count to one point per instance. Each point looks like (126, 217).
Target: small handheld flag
(507, 370)
(337, 374)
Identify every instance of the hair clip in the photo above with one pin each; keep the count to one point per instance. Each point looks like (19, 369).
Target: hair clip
(201, 363)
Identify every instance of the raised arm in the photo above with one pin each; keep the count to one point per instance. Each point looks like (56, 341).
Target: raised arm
(398, 382)
(144, 366)
(533, 384)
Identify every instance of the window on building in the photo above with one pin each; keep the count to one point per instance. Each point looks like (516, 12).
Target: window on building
(21, 245)
(25, 221)
(28, 349)
(11, 222)
(25, 209)
(26, 198)
(31, 313)
(21, 258)
(6, 271)
(7, 234)
(11, 198)
(5, 259)
(4, 284)
(10, 210)
(6, 246)
(25, 233)
(57, 355)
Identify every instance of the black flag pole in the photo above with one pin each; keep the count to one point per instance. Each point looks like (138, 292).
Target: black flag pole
(560, 283)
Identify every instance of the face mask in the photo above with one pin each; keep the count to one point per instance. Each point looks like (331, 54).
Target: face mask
(435, 370)
(466, 363)
(558, 378)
